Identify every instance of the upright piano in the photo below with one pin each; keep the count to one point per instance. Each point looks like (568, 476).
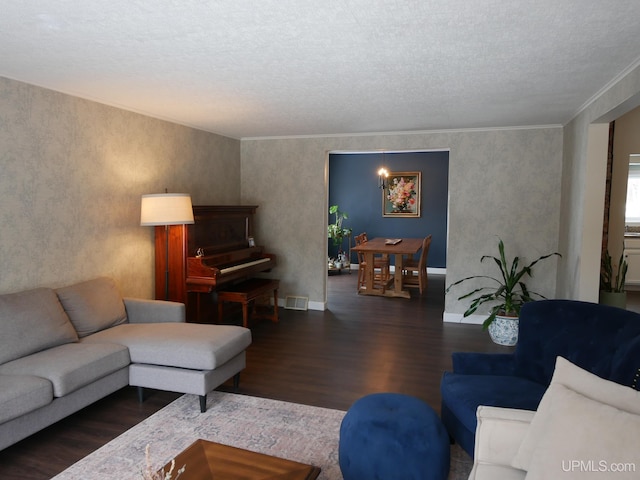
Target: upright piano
(213, 252)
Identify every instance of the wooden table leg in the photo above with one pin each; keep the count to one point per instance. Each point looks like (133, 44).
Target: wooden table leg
(397, 280)
(369, 271)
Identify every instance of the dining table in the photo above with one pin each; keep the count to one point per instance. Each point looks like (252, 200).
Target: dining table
(398, 247)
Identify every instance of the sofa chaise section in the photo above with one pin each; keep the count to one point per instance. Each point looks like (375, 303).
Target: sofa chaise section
(166, 353)
(61, 350)
(179, 357)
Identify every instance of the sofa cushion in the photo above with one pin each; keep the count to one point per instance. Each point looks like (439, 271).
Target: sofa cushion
(184, 345)
(464, 393)
(20, 394)
(93, 305)
(31, 321)
(71, 366)
(574, 379)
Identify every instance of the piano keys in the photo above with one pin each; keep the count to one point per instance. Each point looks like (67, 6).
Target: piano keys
(204, 276)
(251, 264)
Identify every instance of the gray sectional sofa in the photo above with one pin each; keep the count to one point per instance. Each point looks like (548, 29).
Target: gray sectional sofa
(63, 349)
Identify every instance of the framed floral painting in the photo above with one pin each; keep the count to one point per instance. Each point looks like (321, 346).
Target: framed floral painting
(401, 196)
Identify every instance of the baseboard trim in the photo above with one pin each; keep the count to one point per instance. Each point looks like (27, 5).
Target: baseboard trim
(448, 317)
(436, 271)
(317, 305)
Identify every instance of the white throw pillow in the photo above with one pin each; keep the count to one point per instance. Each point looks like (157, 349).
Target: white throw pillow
(586, 385)
(586, 439)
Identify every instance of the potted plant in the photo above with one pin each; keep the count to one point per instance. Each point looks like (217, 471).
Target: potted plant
(507, 295)
(336, 231)
(612, 290)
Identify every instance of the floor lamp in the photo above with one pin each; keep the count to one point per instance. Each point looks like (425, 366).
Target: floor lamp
(165, 209)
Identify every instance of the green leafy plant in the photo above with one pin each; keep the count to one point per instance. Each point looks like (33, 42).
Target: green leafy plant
(609, 283)
(335, 230)
(509, 290)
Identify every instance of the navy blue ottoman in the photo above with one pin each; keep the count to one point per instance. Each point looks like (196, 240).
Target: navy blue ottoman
(386, 436)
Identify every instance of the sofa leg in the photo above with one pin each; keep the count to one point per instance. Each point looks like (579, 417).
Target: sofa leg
(140, 394)
(203, 403)
(236, 382)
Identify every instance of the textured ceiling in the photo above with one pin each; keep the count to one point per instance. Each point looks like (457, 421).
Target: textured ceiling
(309, 67)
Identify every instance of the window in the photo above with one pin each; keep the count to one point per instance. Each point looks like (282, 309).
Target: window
(632, 211)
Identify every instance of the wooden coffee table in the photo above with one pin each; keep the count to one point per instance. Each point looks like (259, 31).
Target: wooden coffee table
(208, 460)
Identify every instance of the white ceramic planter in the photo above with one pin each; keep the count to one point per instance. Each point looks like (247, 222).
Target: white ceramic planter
(504, 330)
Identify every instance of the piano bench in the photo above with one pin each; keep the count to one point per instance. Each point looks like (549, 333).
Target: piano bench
(246, 292)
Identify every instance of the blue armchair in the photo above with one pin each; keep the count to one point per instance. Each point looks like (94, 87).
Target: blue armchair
(604, 340)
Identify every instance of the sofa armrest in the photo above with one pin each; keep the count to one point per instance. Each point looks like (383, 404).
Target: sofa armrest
(154, 311)
(471, 363)
(499, 433)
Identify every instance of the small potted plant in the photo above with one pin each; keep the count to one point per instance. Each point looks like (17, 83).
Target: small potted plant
(507, 295)
(335, 231)
(612, 290)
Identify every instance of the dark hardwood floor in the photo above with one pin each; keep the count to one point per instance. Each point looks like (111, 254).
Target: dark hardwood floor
(359, 345)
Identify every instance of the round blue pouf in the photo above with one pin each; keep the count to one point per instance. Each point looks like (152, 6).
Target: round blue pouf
(387, 436)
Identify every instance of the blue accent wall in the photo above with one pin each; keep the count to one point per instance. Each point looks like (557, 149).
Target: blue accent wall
(353, 186)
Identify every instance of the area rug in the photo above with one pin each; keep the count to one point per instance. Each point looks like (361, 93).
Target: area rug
(288, 430)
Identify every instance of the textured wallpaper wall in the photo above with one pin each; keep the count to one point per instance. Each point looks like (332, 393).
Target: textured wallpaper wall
(501, 183)
(71, 175)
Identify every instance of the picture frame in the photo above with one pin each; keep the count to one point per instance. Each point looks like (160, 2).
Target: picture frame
(252, 242)
(401, 195)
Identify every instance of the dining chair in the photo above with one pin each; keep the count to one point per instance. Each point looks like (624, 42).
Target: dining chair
(414, 273)
(380, 265)
(381, 262)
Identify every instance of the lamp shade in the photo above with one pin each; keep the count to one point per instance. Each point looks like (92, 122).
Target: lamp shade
(166, 209)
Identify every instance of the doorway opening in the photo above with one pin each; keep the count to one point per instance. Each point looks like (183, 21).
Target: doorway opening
(353, 185)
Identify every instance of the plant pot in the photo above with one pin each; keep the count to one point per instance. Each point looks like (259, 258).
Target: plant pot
(504, 330)
(614, 299)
